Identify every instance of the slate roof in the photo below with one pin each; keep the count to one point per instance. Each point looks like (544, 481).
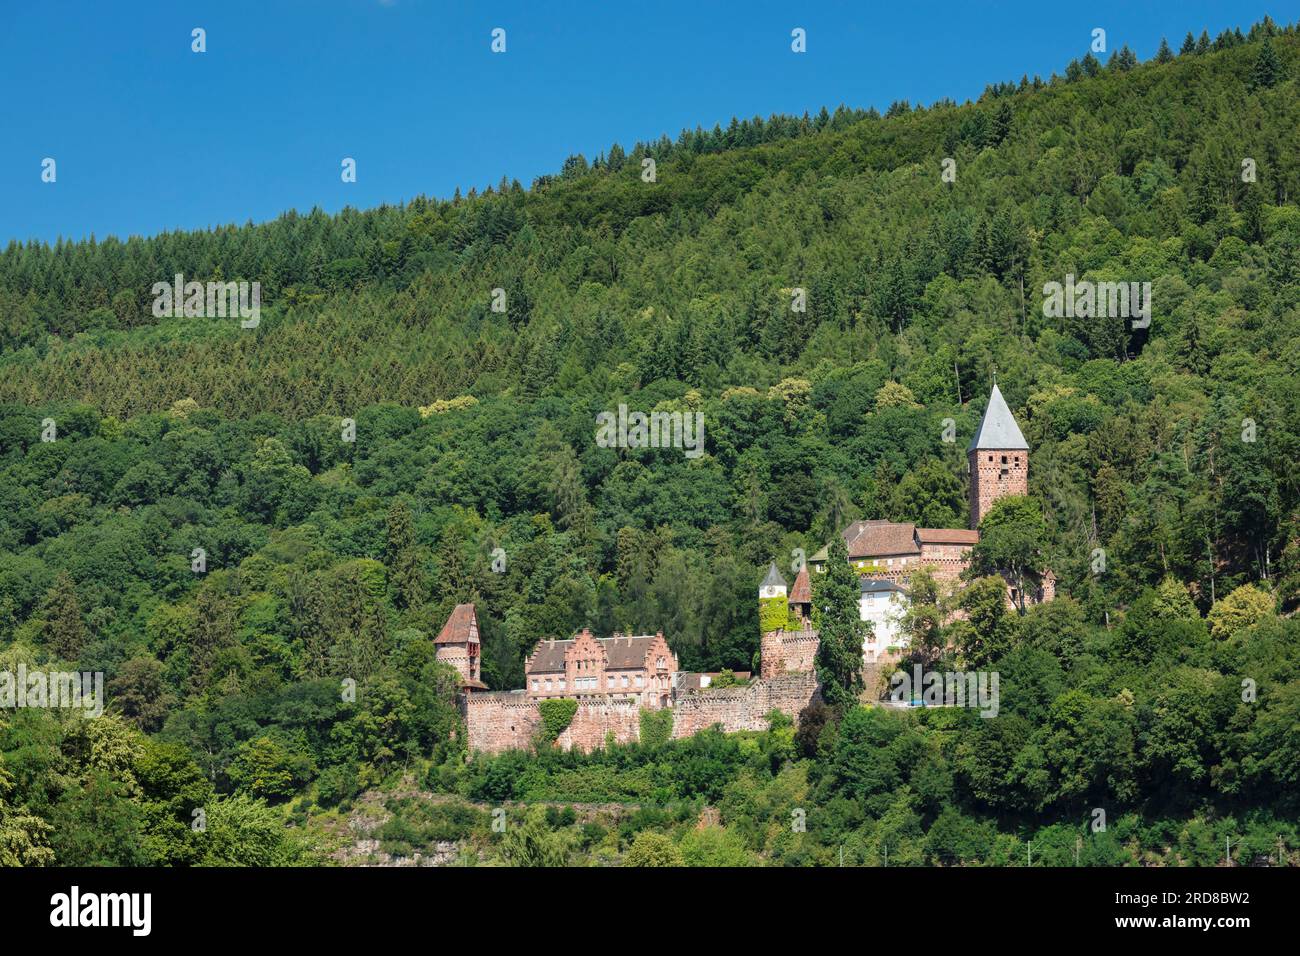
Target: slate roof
(461, 626)
(877, 585)
(998, 428)
(773, 578)
(621, 653)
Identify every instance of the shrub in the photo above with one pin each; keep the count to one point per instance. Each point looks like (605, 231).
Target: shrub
(656, 727)
(557, 714)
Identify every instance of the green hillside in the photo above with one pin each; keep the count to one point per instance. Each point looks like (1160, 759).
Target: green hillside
(1171, 450)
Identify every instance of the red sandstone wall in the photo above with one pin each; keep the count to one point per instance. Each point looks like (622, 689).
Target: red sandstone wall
(595, 719)
(498, 722)
(742, 708)
(987, 484)
(787, 652)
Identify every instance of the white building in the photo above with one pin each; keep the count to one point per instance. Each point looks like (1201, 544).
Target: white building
(883, 603)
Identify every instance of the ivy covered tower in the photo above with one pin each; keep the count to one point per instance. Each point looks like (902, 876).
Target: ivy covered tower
(999, 459)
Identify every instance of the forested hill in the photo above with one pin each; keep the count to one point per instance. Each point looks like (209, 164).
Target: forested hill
(1170, 450)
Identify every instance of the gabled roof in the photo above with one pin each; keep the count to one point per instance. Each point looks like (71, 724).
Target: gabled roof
(867, 539)
(998, 428)
(548, 658)
(876, 539)
(878, 586)
(773, 579)
(801, 593)
(461, 626)
(947, 536)
(621, 653)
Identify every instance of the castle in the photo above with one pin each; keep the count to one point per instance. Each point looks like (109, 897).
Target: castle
(889, 551)
(615, 679)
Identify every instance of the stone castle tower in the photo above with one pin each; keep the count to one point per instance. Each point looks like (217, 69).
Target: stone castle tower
(999, 459)
(458, 644)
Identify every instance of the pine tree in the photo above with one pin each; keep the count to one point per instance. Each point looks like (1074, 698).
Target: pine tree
(402, 557)
(65, 631)
(1203, 42)
(1189, 45)
(1164, 54)
(1267, 69)
(839, 654)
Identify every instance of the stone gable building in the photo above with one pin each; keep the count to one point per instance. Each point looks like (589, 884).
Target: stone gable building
(641, 667)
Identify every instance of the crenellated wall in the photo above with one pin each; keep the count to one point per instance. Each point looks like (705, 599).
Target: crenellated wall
(510, 721)
(595, 719)
(787, 652)
(743, 708)
(501, 720)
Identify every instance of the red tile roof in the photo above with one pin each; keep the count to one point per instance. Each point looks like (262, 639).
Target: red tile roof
(801, 593)
(461, 626)
(867, 539)
(947, 536)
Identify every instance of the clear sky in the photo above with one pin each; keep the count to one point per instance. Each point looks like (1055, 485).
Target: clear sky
(149, 136)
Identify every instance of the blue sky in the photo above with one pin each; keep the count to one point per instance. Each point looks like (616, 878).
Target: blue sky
(150, 136)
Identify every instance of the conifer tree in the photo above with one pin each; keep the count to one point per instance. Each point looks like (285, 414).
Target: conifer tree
(839, 654)
(65, 631)
(403, 558)
(1189, 45)
(1267, 69)
(1164, 54)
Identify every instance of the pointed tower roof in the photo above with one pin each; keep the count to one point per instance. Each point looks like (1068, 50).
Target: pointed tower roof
(801, 593)
(461, 626)
(773, 578)
(998, 428)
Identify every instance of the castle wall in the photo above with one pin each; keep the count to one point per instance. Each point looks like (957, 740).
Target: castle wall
(787, 652)
(501, 721)
(505, 721)
(457, 656)
(945, 562)
(595, 719)
(742, 708)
